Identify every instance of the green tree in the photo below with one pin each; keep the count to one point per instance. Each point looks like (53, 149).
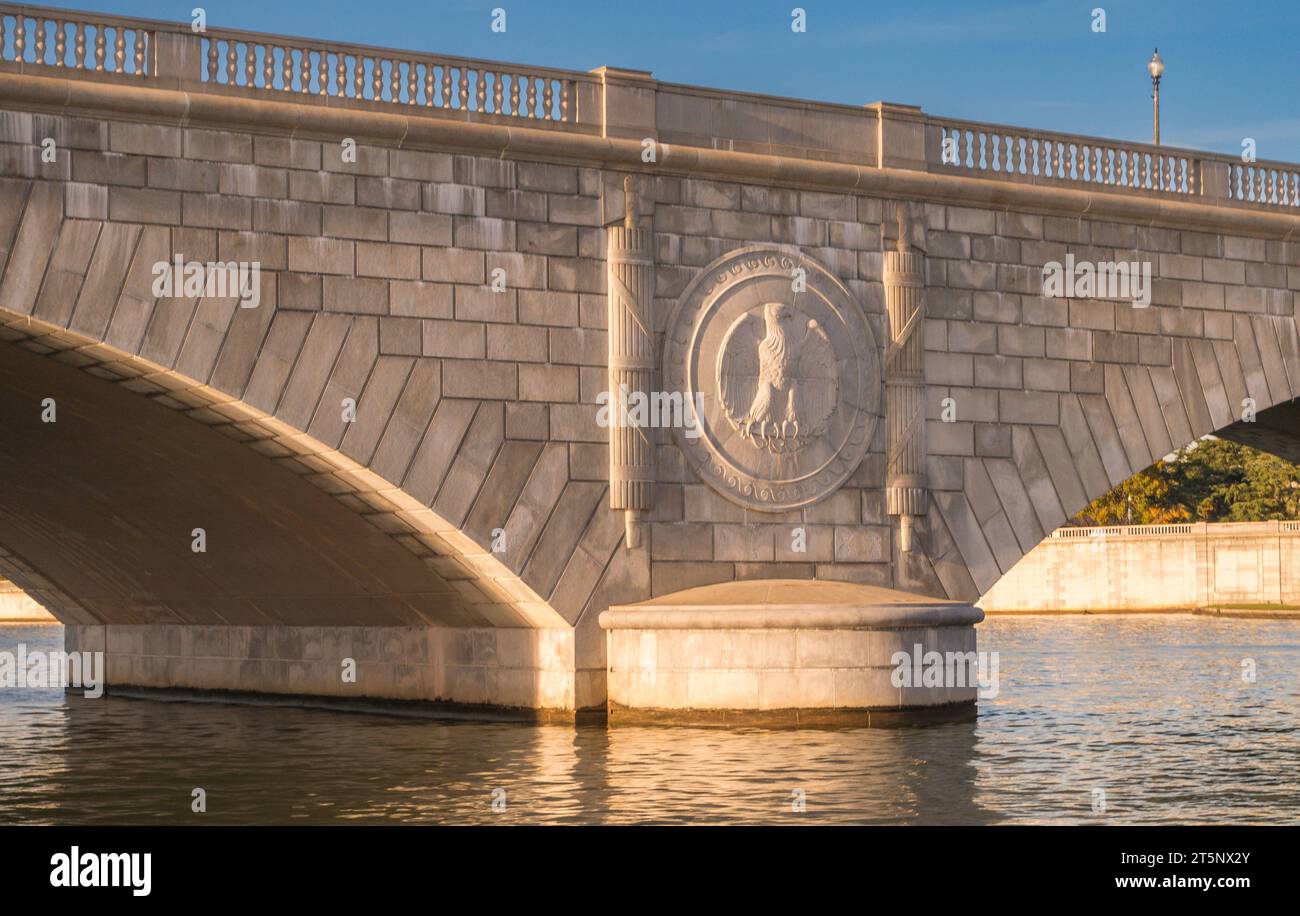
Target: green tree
(1211, 480)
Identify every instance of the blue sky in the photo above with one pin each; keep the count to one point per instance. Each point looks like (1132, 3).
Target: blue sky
(1231, 68)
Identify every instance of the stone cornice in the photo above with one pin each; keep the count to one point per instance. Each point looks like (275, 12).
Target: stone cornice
(128, 100)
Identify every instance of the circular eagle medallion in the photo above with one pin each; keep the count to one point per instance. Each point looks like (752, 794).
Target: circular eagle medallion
(782, 365)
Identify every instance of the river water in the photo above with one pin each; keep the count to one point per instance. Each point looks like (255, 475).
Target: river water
(1153, 711)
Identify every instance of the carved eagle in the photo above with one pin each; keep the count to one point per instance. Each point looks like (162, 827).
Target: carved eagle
(778, 378)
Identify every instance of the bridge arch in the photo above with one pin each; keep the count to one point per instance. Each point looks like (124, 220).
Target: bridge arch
(107, 462)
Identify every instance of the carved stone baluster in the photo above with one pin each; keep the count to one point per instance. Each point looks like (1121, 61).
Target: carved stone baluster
(79, 48)
(498, 91)
(905, 481)
(268, 67)
(358, 77)
(304, 70)
(428, 85)
(20, 36)
(40, 41)
(101, 47)
(377, 79)
(341, 75)
(462, 85)
(566, 89)
(514, 93)
(446, 86)
(395, 81)
(213, 62)
(630, 276)
(323, 73)
(286, 68)
(412, 83)
(548, 100)
(139, 52)
(532, 96)
(480, 90)
(232, 62)
(60, 43)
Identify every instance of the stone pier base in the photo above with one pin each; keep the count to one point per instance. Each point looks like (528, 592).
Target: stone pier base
(528, 672)
(783, 652)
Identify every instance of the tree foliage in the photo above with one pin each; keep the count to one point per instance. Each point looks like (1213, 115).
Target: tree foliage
(1211, 480)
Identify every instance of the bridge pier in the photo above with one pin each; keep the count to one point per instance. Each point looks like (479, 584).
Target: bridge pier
(512, 672)
(791, 653)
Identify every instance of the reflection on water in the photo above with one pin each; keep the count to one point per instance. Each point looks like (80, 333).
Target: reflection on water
(1152, 709)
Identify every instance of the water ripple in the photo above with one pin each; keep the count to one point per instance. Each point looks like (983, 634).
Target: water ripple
(1152, 710)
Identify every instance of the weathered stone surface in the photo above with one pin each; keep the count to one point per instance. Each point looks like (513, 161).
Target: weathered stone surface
(460, 302)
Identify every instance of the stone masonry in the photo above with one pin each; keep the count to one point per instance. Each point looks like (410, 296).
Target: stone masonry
(476, 406)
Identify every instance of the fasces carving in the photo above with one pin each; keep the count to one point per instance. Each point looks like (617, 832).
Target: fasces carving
(631, 282)
(905, 484)
(786, 368)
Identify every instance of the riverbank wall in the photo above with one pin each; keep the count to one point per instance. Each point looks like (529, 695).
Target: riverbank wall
(16, 607)
(1129, 568)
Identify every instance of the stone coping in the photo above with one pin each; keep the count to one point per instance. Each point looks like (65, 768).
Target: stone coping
(786, 604)
(193, 109)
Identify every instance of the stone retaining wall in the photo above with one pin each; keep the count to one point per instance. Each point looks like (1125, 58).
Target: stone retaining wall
(1133, 569)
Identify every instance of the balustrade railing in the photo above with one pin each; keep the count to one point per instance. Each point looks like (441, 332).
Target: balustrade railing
(1272, 184)
(276, 64)
(74, 41)
(1177, 528)
(1025, 155)
(1122, 531)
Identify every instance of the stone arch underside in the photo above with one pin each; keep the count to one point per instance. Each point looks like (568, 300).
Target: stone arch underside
(1006, 506)
(99, 508)
(434, 477)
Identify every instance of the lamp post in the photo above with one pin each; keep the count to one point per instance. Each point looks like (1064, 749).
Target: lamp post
(1156, 67)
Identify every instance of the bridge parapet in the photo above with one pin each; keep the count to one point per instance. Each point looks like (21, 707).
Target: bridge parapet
(617, 103)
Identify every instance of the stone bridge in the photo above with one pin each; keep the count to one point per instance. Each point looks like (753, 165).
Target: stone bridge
(400, 453)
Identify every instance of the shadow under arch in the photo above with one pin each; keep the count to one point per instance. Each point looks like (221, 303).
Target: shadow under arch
(98, 508)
